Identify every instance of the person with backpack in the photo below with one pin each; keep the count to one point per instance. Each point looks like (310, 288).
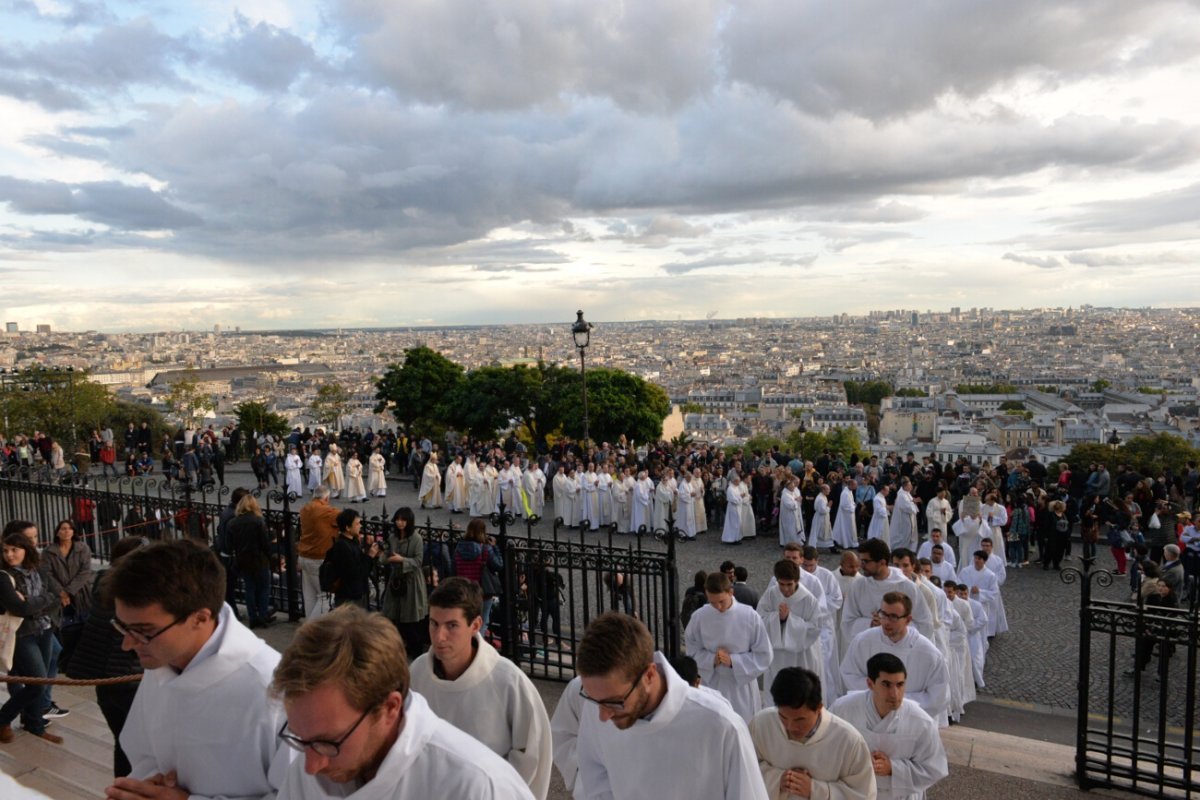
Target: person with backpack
(477, 558)
(346, 570)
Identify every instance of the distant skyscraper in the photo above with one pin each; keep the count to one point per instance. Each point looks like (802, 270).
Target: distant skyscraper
(43, 328)
(915, 319)
(11, 327)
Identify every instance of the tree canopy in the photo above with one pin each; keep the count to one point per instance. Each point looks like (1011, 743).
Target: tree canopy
(187, 399)
(866, 392)
(60, 403)
(331, 404)
(416, 391)
(1149, 455)
(253, 417)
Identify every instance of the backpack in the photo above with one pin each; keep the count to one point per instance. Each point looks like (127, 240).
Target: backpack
(327, 576)
(691, 604)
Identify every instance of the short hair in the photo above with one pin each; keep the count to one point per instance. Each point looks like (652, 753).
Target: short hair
(924, 562)
(793, 547)
(459, 593)
(741, 574)
(980, 554)
(786, 570)
(686, 668)
(345, 518)
(614, 642)
(728, 566)
(796, 687)
(901, 598)
(810, 553)
(237, 495)
(32, 557)
(902, 553)
(876, 550)
(18, 526)
(937, 547)
(698, 578)
(885, 662)
(987, 539)
(321, 493)
(360, 653)
(717, 583)
(248, 505)
(125, 546)
(1172, 551)
(182, 576)
(949, 585)
(932, 531)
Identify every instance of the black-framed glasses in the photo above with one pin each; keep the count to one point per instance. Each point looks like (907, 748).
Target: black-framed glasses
(890, 617)
(616, 705)
(138, 636)
(322, 747)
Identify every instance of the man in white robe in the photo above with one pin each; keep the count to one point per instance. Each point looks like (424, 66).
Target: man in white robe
(562, 496)
(202, 712)
(848, 573)
(604, 496)
(936, 537)
(862, 602)
(642, 503)
(534, 484)
(430, 493)
(805, 751)
(511, 489)
(699, 511)
(292, 466)
(314, 464)
(976, 633)
(928, 677)
(845, 526)
(732, 532)
(996, 563)
(730, 645)
(377, 474)
(791, 521)
(468, 684)
(685, 506)
(564, 728)
(589, 498)
(995, 515)
(821, 534)
(333, 476)
(746, 518)
(903, 529)
(831, 609)
(620, 499)
(456, 486)
(959, 624)
(792, 617)
(643, 732)
(982, 586)
(664, 499)
(401, 749)
(943, 569)
(906, 749)
(878, 528)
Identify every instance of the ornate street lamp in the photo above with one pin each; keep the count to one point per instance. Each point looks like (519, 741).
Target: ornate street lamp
(1114, 441)
(581, 331)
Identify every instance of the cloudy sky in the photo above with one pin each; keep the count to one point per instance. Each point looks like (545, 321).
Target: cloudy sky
(273, 164)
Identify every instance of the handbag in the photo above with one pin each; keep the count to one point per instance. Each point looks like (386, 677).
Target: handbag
(9, 623)
(489, 581)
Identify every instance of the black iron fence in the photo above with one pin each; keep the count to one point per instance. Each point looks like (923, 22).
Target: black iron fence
(555, 582)
(1137, 710)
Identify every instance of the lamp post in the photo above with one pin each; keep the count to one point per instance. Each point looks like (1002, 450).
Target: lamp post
(1114, 441)
(581, 331)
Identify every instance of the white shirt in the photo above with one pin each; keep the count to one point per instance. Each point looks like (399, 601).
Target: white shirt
(928, 683)
(497, 704)
(214, 724)
(692, 746)
(430, 758)
(909, 738)
(740, 630)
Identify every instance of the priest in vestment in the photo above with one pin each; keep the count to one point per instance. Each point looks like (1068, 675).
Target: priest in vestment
(792, 617)
(730, 645)
(864, 597)
(456, 486)
(732, 532)
(805, 751)
(699, 511)
(589, 492)
(845, 527)
(664, 498)
(314, 463)
(356, 490)
(534, 484)
(377, 474)
(563, 496)
(879, 518)
(970, 531)
(685, 506)
(791, 522)
(903, 530)
(746, 518)
(333, 477)
(641, 500)
(292, 465)
(430, 492)
(982, 585)
(822, 530)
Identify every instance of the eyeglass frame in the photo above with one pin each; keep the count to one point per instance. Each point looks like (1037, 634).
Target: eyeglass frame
(139, 637)
(616, 705)
(879, 612)
(302, 745)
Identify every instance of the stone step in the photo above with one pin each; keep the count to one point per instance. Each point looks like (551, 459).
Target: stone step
(27, 754)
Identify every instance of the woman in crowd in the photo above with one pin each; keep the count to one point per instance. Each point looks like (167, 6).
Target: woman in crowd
(351, 561)
(404, 599)
(25, 595)
(251, 545)
(69, 561)
(475, 554)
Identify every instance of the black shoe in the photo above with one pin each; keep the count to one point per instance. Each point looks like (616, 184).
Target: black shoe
(54, 712)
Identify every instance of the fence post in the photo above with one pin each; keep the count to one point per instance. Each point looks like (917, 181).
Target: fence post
(289, 560)
(672, 588)
(1084, 578)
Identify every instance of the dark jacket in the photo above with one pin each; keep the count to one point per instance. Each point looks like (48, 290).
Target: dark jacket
(31, 607)
(73, 572)
(471, 558)
(98, 653)
(352, 566)
(249, 543)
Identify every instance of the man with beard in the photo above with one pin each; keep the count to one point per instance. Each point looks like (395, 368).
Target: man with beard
(659, 724)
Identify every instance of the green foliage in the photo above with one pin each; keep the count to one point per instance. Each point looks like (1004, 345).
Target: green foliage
(985, 388)
(691, 408)
(681, 440)
(1100, 385)
(762, 443)
(797, 413)
(618, 403)
(1151, 390)
(1048, 389)
(844, 440)
(416, 391)
(331, 404)
(60, 403)
(187, 399)
(866, 392)
(909, 391)
(253, 417)
(810, 444)
(1149, 455)
(1012, 405)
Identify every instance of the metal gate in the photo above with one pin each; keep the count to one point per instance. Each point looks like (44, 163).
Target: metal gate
(1137, 691)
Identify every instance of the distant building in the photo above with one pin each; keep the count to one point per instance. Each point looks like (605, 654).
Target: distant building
(1011, 432)
(43, 328)
(11, 327)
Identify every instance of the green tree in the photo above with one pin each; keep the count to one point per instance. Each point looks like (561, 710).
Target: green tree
(619, 402)
(844, 440)
(331, 404)
(1012, 405)
(187, 399)
(762, 443)
(1150, 455)
(1048, 389)
(910, 392)
(56, 402)
(985, 388)
(1100, 385)
(691, 408)
(254, 417)
(866, 392)
(532, 399)
(416, 391)
(807, 444)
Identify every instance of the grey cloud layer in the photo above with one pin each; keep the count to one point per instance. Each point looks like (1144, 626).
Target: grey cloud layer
(439, 121)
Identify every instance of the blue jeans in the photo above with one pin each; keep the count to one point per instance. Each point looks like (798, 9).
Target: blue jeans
(258, 594)
(488, 604)
(30, 656)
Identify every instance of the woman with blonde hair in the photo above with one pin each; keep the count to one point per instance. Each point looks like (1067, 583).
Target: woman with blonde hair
(251, 545)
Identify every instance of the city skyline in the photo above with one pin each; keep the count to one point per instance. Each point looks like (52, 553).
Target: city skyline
(360, 164)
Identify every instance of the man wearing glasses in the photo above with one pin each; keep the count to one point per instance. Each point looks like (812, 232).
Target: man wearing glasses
(201, 724)
(863, 598)
(360, 729)
(928, 676)
(665, 739)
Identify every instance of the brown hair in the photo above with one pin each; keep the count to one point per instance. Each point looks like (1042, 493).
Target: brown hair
(717, 583)
(476, 531)
(892, 598)
(32, 557)
(360, 653)
(248, 505)
(786, 571)
(614, 642)
(459, 593)
(183, 576)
